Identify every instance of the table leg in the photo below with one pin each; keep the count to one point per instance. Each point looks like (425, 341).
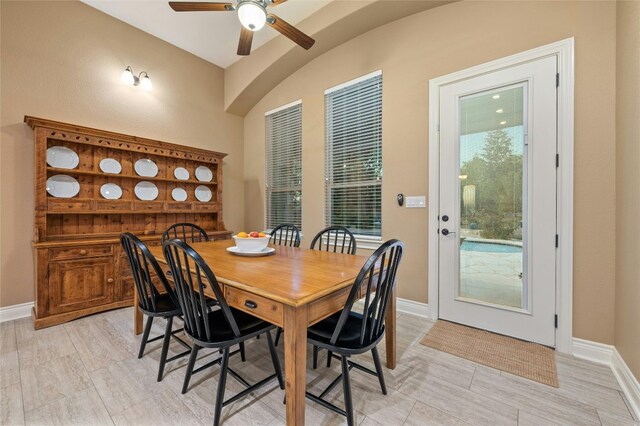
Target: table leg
(390, 331)
(137, 315)
(295, 361)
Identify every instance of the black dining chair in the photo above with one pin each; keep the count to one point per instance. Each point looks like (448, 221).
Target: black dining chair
(285, 234)
(191, 233)
(218, 328)
(153, 302)
(188, 232)
(337, 239)
(349, 333)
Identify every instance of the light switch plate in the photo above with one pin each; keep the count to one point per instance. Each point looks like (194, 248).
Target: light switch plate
(414, 202)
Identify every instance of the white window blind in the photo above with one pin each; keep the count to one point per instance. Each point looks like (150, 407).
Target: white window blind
(284, 165)
(353, 160)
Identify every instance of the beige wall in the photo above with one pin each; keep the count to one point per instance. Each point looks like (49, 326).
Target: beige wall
(62, 61)
(627, 320)
(415, 49)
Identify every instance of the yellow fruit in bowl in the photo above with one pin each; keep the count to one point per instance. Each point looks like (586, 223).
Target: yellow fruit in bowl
(242, 235)
(262, 234)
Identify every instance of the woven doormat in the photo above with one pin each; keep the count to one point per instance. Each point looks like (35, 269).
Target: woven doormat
(525, 359)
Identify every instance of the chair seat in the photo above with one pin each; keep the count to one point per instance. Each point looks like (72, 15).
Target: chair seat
(320, 334)
(165, 306)
(221, 332)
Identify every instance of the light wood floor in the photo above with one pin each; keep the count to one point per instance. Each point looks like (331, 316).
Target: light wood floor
(86, 372)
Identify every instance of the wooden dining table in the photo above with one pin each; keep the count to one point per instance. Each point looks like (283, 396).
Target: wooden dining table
(292, 288)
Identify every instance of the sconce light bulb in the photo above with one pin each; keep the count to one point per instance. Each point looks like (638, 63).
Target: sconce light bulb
(127, 77)
(145, 83)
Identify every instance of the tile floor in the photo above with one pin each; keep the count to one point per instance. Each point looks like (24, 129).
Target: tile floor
(86, 372)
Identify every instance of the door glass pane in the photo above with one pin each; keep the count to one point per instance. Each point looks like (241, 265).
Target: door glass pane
(492, 197)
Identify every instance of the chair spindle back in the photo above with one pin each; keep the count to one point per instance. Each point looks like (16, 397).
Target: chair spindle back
(286, 234)
(192, 275)
(335, 239)
(187, 232)
(143, 265)
(378, 274)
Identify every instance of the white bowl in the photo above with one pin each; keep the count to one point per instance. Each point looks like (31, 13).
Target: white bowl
(251, 244)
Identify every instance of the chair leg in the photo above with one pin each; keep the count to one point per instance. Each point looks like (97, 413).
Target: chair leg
(329, 356)
(192, 363)
(346, 386)
(275, 360)
(376, 361)
(222, 381)
(242, 355)
(315, 356)
(165, 347)
(145, 336)
(278, 334)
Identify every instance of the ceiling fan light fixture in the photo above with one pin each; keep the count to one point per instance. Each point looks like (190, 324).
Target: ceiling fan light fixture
(252, 15)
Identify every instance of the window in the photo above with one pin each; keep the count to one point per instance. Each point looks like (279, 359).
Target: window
(353, 160)
(284, 165)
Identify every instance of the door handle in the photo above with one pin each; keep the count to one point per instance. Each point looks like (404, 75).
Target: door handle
(446, 232)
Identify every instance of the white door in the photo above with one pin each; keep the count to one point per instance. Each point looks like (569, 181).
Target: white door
(497, 222)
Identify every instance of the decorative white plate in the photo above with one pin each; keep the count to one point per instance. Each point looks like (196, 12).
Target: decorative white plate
(204, 174)
(203, 193)
(63, 186)
(62, 157)
(110, 165)
(181, 173)
(145, 167)
(111, 191)
(264, 252)
(146, 191)
(179, 194)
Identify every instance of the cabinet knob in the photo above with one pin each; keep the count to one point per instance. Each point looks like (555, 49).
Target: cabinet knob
(83, 252)
(110, 280)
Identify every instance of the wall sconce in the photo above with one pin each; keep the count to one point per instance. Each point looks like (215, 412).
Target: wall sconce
(141, 80)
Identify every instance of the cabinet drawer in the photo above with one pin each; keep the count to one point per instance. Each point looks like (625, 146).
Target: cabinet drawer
(156, 206)
(80, 252)
(179, 207)
(112, 205)
(259, 306)
(66, 205)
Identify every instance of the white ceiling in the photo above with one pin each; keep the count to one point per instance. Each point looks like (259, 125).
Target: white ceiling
(213, 36)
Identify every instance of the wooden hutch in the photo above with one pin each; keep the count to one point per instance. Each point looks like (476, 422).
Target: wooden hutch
(80, 267)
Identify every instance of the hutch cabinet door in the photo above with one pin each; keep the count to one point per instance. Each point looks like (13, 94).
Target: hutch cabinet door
(80, 284)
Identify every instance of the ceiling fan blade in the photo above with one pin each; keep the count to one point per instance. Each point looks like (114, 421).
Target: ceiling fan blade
(289, 31)
(244, 45)
(276, 2)
(194, 6)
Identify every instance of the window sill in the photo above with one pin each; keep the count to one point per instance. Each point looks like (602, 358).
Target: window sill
(368, 243)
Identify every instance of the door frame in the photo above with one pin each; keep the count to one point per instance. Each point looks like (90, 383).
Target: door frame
(564, 50)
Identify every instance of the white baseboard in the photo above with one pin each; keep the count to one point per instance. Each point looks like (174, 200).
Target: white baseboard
(10, 313)
(608, 355)
(592, 351)
(414, 308)
(627, 381)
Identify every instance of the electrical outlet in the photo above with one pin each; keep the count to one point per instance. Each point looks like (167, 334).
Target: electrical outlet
(418, 202)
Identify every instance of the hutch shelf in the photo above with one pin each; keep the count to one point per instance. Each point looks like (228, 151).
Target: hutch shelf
(80, 267)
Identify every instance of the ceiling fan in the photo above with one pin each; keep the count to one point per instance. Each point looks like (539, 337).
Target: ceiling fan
(253, 15)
